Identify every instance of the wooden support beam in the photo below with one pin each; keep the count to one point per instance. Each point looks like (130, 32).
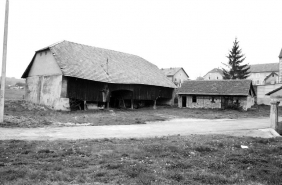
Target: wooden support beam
(132, 103)
(155, 104)
(84, 105)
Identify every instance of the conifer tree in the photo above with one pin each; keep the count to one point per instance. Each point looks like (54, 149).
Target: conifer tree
(236, 70)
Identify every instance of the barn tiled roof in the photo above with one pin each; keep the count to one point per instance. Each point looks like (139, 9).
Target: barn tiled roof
(97, 64)
(260, 68)
(216, 87)
(215, 70)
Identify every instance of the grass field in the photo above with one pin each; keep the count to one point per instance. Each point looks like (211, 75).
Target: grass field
(14, 94)
(195, 159)
(19, 113)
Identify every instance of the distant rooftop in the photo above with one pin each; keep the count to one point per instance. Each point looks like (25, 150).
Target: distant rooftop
(215, 70)
(170, 71)
(259, 68)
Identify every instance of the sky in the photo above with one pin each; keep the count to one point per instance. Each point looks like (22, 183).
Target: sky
(194, 34)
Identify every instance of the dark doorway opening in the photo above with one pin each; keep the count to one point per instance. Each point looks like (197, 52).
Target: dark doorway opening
(121, 99)
(184, 100)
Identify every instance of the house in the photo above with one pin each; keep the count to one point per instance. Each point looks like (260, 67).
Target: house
(259, 72)
(214, 74)
(219, 94)
(272, 78)
(68, 75)
(271, 82)
(176, 75)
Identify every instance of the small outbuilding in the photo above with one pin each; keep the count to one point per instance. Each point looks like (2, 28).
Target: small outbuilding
(69, 75)
(218, 94)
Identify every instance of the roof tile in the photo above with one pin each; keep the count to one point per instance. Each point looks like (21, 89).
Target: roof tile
(97, 64)
(216, 87)
(260, 68)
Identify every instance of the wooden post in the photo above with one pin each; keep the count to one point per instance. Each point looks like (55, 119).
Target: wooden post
(155, 104)
(132, 103)
(84, 105)
(3, 76)
(274, 116)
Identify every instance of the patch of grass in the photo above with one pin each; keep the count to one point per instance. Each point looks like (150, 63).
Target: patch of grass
(211, 159)
(19, 113)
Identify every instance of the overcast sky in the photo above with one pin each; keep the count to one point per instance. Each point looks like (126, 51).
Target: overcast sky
(196, 35)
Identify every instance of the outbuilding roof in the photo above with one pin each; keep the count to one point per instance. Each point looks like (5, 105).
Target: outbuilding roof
(97, 64)
(216, 87)
(260, 68)
(273, 91)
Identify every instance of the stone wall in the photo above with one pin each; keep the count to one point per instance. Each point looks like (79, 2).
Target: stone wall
(216, 102)
(213, 76)
(46, 90)
(201, 102)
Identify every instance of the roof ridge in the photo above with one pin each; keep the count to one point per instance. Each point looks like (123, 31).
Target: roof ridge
(102, 48)
(107, 49)
(54, 44)
(264, 63)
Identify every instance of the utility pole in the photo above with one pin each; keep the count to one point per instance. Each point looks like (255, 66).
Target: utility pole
(3, 75)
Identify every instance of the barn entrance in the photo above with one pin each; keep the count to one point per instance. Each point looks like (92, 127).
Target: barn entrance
(184, 100)
(121, 99)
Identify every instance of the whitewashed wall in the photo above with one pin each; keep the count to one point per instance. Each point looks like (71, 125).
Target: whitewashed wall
(264, 89)
(213, 76)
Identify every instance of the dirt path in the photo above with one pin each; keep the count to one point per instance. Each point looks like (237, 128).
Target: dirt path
(241, 127)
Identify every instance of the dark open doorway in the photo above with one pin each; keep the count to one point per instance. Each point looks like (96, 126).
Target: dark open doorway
(121, 99)
(184, 101)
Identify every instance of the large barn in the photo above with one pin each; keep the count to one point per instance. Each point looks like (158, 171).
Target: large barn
(67, 75)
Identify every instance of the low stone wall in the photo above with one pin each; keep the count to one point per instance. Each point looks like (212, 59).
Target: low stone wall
(215, 102)
(201, 102)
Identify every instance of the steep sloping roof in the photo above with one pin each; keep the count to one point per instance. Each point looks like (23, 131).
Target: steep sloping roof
(216, 87)
(172, 71)
(215, 70)
(97, 64)
(260, 68)
(273, 73)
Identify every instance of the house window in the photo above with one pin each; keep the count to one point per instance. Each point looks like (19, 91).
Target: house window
(257, 81)
(194, 99)
(217, 77)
